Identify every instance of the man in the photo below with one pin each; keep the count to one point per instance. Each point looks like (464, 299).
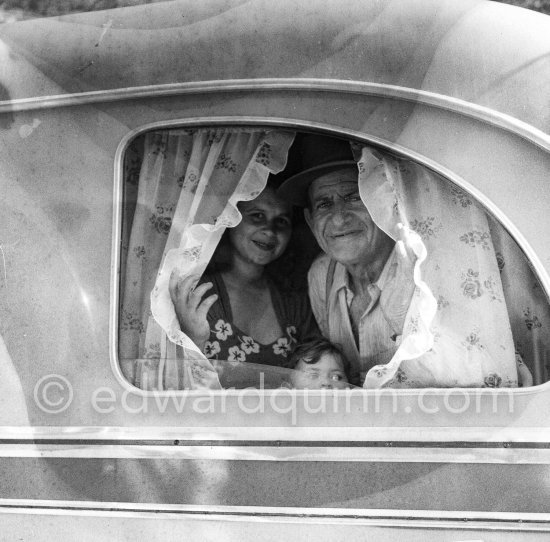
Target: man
(361, 287)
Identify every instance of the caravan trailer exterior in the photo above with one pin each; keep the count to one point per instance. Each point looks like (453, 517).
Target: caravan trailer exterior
(456, 88)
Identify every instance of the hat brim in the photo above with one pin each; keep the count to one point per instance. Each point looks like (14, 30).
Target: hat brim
(295, 189)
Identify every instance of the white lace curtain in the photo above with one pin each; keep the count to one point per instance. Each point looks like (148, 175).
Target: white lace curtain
(189, 184)
(476, 300)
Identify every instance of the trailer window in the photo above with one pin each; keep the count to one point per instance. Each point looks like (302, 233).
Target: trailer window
(459, 307)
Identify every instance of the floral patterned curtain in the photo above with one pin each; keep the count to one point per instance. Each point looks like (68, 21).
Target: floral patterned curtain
(476, 301)
(189, 184)
(528, 306)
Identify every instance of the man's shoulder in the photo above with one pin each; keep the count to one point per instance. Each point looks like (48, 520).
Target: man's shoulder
(319, 267)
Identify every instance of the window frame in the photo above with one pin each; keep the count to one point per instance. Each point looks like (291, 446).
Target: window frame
(329, 130)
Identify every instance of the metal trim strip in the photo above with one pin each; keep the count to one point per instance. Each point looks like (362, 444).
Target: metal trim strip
(315, 452)
(457, 105)
(92, 443)
(440, 519)
(421, 435)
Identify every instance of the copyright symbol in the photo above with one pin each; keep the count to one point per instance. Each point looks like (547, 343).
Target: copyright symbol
(53, 394)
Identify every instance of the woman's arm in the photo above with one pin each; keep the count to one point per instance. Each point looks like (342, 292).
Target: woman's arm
(191, 309)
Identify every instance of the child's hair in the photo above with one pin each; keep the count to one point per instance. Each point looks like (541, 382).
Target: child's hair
(311, 351)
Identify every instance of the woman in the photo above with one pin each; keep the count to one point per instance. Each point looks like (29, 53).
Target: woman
(247, 317)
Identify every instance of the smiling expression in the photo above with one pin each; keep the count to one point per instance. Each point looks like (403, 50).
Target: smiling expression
(340, 221)
(264, 231)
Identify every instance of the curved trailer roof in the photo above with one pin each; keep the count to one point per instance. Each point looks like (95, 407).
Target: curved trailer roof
(184, 59)
(432, 48)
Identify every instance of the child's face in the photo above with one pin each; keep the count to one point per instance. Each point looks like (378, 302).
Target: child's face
(327, 373)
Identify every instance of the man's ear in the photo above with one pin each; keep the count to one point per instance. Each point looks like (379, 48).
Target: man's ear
(309, 219)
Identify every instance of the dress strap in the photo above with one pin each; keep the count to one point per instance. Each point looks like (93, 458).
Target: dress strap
(222, 306)
(328, 286)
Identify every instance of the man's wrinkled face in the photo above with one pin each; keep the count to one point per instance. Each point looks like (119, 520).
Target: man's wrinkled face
(339, 219)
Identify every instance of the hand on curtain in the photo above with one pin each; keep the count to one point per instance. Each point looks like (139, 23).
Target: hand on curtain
(190, 182)
(191, 308)
(525, 378)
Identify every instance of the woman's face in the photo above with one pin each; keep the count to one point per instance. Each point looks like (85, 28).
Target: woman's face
(263, 233)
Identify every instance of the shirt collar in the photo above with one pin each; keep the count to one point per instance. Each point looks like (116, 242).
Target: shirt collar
(341, 277)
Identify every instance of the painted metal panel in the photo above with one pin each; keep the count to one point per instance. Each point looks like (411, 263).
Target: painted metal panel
(449, 92)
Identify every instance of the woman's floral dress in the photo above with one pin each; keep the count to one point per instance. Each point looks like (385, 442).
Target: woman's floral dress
(227, 342)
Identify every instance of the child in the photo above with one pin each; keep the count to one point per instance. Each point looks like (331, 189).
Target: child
(318, 364)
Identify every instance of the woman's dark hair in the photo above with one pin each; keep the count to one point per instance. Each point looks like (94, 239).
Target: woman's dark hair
(221, 259)
(311, 351)
(289, 271)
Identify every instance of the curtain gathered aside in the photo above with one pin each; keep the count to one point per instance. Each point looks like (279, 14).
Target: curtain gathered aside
(190, 182)
(477, 309)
